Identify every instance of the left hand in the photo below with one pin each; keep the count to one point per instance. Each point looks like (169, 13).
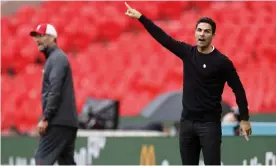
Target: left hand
(245, 129)
(42, 126)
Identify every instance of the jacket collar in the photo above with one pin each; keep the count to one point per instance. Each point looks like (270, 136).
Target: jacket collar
(47, 52)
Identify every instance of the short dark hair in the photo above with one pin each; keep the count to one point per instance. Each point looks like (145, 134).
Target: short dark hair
(208, 21)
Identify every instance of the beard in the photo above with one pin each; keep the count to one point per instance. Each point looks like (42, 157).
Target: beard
(41, 47)
(203, 44)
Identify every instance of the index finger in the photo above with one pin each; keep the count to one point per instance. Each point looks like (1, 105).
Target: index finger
(127, 6)
(246, 136)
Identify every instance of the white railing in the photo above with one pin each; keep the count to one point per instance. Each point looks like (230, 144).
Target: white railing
(119, 133)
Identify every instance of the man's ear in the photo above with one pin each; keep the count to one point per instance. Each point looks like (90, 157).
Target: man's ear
(213, 36)
(53, 39)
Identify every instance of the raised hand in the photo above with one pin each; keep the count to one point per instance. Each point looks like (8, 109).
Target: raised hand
(132, 12)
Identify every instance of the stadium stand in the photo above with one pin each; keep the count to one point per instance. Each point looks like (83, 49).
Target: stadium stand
(112, 56)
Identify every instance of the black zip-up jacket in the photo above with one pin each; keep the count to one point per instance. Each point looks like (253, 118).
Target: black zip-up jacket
(204, 77)
(58, 97)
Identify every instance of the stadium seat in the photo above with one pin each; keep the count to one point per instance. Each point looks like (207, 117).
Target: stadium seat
(113, 56)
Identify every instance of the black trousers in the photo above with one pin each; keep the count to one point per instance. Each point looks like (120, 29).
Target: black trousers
(57, 144)
(194, 136)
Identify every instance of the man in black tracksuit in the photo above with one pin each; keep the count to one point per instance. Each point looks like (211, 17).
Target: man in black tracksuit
(59, 123)
(205, 72)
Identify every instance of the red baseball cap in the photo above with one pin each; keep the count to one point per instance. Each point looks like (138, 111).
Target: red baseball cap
(44, 29)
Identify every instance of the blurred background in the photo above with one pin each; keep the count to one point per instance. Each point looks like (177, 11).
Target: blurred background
(123, 78)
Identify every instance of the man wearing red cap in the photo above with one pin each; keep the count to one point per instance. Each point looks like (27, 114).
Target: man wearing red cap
(59, 123)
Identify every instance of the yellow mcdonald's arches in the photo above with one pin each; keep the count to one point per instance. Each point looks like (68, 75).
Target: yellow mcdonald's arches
(147, 156)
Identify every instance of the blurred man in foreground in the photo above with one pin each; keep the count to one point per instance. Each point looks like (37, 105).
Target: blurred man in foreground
(206, 71)
(59, 123)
